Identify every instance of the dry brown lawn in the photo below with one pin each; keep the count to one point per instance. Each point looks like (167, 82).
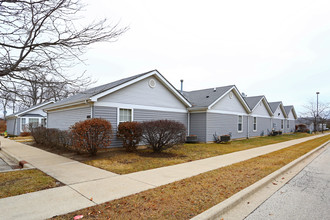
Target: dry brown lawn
(24, 181)
(189, 197)
(117, 160)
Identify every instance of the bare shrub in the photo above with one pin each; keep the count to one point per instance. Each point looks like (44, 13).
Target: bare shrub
(163, 134)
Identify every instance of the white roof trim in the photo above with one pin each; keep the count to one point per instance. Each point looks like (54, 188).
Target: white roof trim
(238, 95)
(153, 73)
(32, 108)
(263, 99)
(282, 109)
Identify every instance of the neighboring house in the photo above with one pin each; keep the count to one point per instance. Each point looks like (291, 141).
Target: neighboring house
(260, 120)
(290, 122)
(309, 122)
(217, 111)
(147, 96)
(21, 121)
(279, 117)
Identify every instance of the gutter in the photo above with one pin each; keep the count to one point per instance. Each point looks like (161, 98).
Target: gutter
(66, 105)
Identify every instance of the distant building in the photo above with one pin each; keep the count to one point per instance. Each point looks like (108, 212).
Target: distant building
(21, 121)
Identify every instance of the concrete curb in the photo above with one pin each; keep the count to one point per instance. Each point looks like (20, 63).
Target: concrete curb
(19, 161)
(216, 211)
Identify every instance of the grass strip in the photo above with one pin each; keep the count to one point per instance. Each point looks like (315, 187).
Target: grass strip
(121, 162)
(24, 181)
(187, 198)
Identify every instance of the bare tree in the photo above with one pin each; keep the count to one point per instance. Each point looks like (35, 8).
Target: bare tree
(39, 41)
(42, 36)
(317, 114)
(39, 89)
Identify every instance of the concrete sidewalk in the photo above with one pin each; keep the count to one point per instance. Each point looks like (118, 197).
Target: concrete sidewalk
(87, 186)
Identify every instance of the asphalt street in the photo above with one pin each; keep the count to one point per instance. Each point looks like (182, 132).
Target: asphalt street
(306, 196)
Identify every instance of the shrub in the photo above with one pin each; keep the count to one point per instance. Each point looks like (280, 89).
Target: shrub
(25, 134)
(131, 133)
(163, 134)
(91, 135)
(3, 126)
(51, 137)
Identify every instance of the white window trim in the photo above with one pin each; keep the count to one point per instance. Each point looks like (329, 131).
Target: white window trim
(238, 123)
(255, 124)
(288, 124)
(118, 114)
(27, 120)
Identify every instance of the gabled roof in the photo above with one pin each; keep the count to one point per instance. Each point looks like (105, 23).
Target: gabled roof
(207, 98)
(275, 105)
(95, 93)
(24, 111)
(253, 102)
(289, 108)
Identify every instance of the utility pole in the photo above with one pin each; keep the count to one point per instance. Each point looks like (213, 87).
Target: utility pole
(317, 109)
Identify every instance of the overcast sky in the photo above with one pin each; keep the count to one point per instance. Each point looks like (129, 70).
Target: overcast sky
(280, 49)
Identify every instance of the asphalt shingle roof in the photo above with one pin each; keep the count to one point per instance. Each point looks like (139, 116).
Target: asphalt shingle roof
(85, 95)
(252, 101)
(274, 105)
(288, 109)
(205, 97)
(27, 109)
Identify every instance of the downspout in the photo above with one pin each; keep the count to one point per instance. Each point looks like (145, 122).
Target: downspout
(15, 125)
(248, 126)
(188, 123)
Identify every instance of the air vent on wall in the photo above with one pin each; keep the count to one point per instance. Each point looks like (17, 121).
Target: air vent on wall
(152, 83)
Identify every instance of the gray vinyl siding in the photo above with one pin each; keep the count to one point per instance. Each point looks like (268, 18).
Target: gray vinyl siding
(277, 122)
(224, 124)
(198, 125)
(263, 127)
(110, 114)
(12, 128)
(292, 126)
(149, 115)
(65, 118)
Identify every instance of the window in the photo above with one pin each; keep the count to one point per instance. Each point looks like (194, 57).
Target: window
(254, 123)
(125, 115)
(34, 122)
(26, 123)
(240, 123)
(287, 124)
(282, 124)
(23, 124)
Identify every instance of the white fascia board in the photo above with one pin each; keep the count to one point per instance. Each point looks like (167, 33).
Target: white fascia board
(155, 73)
(144, 107)
(107, 92)
(238, 95)
(66, 105)
(283, 110)
(33, 108)
(170, 87)
(294, 113)
(197, 109)
(263, 99)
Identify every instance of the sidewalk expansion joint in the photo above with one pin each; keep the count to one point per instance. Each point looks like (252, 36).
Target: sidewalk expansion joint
(89, 199)
(154, 186)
